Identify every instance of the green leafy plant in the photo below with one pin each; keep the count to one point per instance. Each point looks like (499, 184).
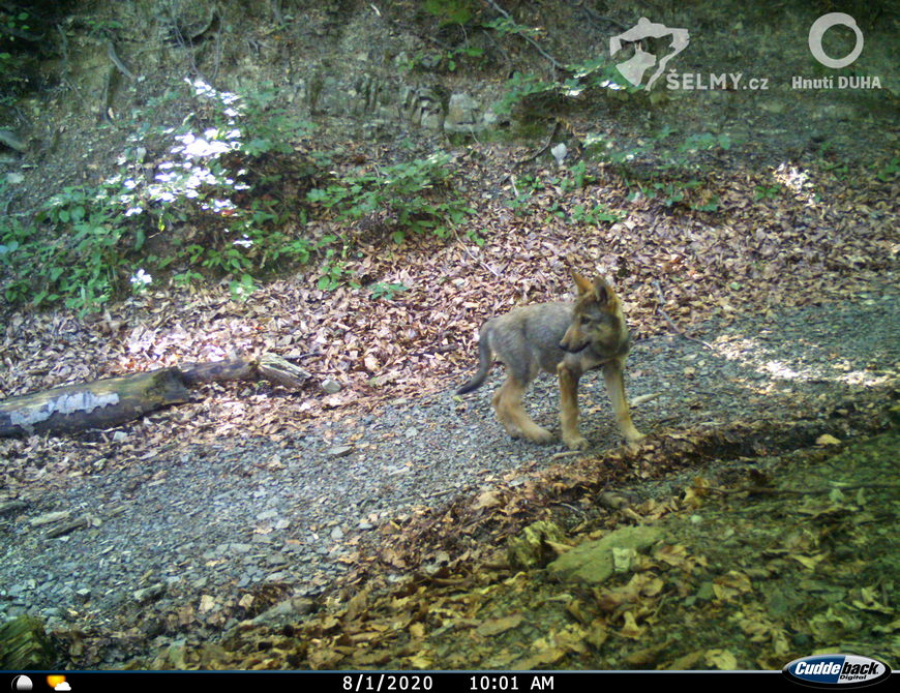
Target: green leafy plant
(597, 74)
(595, 215)
(386, 291)
(580, 176)
(448, 60)
(411, 196)
(710, 205)
(334, 274)
(889, 170)
(521, 87)
(451, 11)
(213, 204)
(12, 24)
(839, 170)
(241, 289)
(525, 188)
(507, 26)
(670, 192)
(476, 237)
(767, 192)
(81, 247)
(72, 252)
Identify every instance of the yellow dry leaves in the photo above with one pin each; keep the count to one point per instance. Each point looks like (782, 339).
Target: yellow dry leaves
(631, 629)
(810, 562)
(496, 626)
(731, 585)
(555, 646)
(723, 660)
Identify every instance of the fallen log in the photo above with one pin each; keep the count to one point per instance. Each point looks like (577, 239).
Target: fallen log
(24, 644)
(114, 401)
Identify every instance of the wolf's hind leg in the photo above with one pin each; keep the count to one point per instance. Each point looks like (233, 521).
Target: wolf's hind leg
(508, 405)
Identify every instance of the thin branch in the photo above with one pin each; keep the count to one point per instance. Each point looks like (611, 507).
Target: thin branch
(553, 61)
(111, 52)
(675, 328)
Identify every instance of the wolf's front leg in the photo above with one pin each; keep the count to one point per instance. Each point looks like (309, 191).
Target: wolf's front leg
(613, 374)
(568, 408)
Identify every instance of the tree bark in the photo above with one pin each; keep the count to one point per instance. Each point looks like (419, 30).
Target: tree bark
(114, 401)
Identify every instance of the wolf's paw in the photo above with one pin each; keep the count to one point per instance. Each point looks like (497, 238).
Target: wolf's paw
(576, 442)
(539, 435)
(635, 440)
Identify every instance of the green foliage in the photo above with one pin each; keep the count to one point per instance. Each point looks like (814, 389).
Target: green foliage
(595, 215)
(678, 192)
(386, 291)
(532, 193)
(463, 52)
(409, 195)
(579, 174)
(100, 27)
(15, 22)
(525, 187)
(335, 274)
(668, 153)
(11, 60)
(448, 13)
(506, 26)
(838, 169)
(665, 167)
(451, 11)
(267, 126)
(596, 74)
(475, 237)
(448, 60)
(522, 87)
(889, 170)
(214, 207)
(84, 243)
(767, 192)
(710, 205)
(669, 193)
(544, 97)
(670, 159)
(69, 254)
(242, 289)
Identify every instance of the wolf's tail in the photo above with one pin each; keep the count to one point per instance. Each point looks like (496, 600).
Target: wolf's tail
(484, 365)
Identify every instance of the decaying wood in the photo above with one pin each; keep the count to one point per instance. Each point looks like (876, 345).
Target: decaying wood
(114, 401)
(268, 367)
(24, 644)
(100, 404)
(281, 372)
(194, 374)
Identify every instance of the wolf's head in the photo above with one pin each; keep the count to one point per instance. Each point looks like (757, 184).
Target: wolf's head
(597, 319)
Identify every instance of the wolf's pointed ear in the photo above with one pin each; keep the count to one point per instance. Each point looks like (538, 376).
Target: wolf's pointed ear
(602, 289)
(584, 285)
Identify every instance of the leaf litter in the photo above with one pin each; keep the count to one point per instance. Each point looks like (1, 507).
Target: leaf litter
(766, 558)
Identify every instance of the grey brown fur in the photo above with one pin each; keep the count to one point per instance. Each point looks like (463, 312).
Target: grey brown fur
(567, 339)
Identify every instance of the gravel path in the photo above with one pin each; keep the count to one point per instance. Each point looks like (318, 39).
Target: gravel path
(211, 524)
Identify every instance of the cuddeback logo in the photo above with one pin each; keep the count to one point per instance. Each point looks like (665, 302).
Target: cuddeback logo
(836, 670)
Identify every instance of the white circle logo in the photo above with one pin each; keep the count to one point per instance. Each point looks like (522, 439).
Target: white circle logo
(823, 24)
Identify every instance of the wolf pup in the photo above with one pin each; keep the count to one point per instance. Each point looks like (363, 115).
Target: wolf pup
(563, 338)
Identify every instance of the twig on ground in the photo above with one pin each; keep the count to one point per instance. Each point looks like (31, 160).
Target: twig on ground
(675, 328)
